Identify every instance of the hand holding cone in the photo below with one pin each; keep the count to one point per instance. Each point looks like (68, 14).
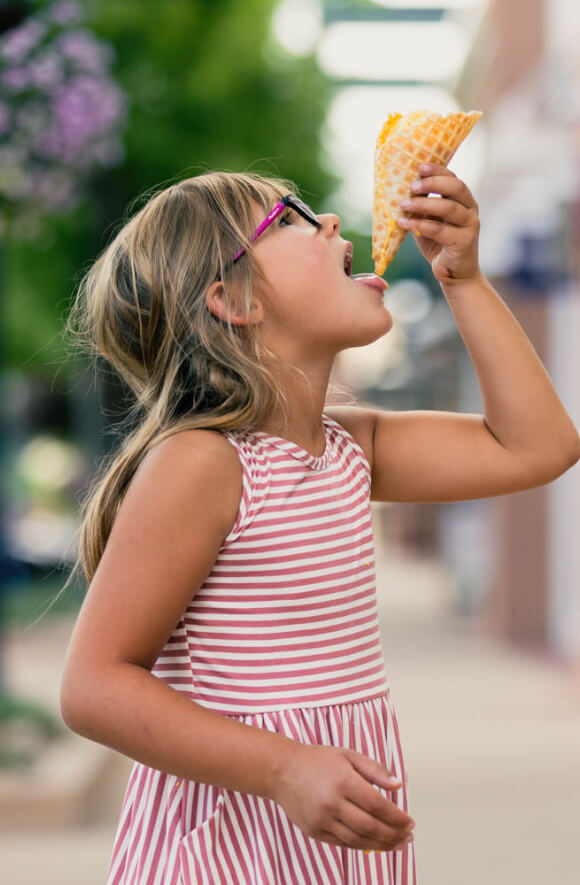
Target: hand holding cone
(404, 143)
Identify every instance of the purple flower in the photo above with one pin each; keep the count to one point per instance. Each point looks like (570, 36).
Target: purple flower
(60, 115)
(85, 51)
(46, 72)
(83, 111)
(16, 44)
(16, 78)
(64, 13)
(88, 103)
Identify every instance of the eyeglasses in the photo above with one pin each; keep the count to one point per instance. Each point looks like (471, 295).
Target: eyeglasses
(288, 201)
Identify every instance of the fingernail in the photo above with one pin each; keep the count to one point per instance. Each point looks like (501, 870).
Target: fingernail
(424, 167)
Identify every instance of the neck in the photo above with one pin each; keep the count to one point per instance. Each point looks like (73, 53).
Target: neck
(305, 405)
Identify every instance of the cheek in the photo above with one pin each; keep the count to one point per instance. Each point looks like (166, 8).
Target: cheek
(318, 272)
(307, 270)
(292, 273)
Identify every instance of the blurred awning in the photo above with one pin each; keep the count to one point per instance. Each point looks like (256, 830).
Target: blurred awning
(532, 168)
(382, 50)
(387, 57)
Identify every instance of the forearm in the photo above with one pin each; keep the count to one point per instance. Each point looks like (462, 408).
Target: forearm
(139, 715)
(522, 407)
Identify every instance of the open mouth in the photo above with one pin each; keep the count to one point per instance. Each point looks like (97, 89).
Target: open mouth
(348, 260)
(366, 279)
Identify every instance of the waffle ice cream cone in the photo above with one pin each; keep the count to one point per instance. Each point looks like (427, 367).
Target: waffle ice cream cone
(404, 143)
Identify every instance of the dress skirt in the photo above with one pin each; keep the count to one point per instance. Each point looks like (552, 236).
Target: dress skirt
(174, 831)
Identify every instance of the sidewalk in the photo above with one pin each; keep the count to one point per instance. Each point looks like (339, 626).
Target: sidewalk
(491, 738)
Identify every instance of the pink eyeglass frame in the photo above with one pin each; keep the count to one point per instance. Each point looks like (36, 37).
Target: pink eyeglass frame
(288, 200)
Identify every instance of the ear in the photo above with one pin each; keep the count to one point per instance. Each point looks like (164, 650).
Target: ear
(215, 300)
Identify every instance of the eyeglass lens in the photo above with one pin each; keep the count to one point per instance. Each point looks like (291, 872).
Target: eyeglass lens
(302, 209)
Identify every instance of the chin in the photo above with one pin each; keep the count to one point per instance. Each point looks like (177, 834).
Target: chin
(385, 325)
(371, 335)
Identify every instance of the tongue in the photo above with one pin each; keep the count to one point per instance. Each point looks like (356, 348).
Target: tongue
(361, 277)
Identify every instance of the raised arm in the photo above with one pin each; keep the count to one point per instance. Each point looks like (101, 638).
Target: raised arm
(525, 438)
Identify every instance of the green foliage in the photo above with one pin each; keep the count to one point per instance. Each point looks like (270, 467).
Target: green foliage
(208, 90)
(26, 728)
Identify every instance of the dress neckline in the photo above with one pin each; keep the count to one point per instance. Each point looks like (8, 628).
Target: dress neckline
(317, 462)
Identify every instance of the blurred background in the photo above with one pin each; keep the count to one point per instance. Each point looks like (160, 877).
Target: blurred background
(479, 600)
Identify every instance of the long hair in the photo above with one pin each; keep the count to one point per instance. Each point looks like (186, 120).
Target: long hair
(141, 307)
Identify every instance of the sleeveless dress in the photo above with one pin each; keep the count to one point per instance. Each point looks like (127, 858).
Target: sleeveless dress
(282, 635)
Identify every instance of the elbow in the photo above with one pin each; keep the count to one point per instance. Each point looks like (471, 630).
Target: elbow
(69, 710)
(575, 452)
(90, 699)
(545, 468)
(564, 454)
(73, 706)
(572, 457)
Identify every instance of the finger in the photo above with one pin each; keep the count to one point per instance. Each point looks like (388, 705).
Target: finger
(446, 234)
(369, 828)
(451, 211)
(374, 804)
(446, 185)
(436, 169)
(372, 771)
(343, 835)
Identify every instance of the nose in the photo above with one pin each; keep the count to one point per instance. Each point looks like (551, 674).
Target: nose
(330, 224)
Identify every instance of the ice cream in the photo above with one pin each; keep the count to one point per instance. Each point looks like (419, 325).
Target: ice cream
(404, 143)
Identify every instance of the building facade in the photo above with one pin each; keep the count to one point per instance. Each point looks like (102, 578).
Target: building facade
(523, 71)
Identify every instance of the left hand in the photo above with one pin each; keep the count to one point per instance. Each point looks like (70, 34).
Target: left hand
(448, 225)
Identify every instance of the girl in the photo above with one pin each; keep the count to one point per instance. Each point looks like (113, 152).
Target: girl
(229, 640)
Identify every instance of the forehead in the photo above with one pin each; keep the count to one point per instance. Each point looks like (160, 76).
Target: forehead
(259, 211)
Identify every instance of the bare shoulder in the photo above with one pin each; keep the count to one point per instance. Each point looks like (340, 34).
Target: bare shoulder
(200, 461)
(194, 448)
(166, 536)
(359, 422)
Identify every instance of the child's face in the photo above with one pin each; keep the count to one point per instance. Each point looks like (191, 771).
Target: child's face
(308, 298)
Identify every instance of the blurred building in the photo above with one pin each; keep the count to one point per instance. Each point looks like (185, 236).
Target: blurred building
(514, 557)
(523, 71)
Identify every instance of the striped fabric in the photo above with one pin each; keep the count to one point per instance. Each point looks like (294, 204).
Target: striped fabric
(283, 635)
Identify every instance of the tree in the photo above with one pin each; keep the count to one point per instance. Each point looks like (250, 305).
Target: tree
(207, 90)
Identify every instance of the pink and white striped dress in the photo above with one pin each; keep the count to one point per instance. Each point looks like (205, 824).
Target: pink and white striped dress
(282, 635)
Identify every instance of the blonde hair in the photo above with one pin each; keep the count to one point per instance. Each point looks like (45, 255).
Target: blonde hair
(141, 307)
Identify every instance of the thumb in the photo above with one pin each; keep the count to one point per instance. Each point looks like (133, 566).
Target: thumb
(372, 771)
